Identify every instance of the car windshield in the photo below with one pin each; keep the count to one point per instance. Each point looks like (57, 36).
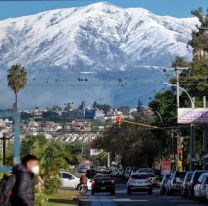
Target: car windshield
(197, 175)
(139, 177)
(189, 176)
(103, 177)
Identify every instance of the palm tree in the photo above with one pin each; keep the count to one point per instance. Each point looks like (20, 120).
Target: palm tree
(17, 80)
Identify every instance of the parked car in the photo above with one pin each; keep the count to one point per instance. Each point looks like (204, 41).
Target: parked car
(163, 184)
(139, 182)
(71, 181)
(193, 182)
(206, 191)
(103, 183)
(174, 182)
(184, 186)
(200, 187)
(68, 180)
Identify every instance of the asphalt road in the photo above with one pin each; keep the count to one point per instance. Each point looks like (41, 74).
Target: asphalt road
(136, 199)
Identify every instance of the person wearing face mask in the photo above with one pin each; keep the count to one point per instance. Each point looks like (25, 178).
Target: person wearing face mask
(23, 190)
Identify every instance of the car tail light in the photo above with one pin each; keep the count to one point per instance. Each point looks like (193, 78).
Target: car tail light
(113, 182)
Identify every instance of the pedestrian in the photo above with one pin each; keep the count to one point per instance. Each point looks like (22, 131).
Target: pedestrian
(23, 190)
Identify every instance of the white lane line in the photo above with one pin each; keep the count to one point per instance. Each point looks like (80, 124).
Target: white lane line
(129, 200)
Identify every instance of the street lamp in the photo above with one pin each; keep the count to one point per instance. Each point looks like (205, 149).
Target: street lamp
(174, 85)
(192, 130)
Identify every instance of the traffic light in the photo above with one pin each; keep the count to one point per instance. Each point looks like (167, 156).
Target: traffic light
(118, 121)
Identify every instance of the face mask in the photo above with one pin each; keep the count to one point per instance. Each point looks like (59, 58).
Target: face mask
(35, 170)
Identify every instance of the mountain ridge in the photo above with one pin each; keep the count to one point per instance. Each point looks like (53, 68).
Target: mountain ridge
(106, 41)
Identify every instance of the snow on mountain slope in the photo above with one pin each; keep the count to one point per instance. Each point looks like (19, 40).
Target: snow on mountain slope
(99, 37)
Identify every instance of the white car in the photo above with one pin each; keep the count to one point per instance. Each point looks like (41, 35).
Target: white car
(174, 182)
(200, 187)
(71, 181)
(139, 182)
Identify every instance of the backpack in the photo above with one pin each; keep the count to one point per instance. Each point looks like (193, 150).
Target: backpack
(6, 186)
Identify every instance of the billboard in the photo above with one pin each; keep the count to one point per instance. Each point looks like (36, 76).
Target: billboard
(193, 116)
(166, 167)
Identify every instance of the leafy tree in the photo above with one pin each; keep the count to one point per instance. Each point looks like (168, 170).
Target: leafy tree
(68, 107)
(53, 157)
(200, 36)
(124, 109)
(56, 108)
(95, 105)
(82, 105)
(17, 79)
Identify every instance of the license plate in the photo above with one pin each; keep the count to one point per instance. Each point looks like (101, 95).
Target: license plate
(103, 188)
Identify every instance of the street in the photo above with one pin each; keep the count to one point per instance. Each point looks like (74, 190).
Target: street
(136, 199)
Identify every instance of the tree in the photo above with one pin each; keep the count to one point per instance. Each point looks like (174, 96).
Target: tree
(199, 41)
(56, 108)
(17, 80)
(95, 105)
(82, 106)
(180, 62)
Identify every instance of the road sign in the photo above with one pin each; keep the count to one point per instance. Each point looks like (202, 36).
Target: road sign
(193, 116)
(166, 167)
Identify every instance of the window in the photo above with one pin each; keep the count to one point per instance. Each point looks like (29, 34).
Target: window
(67, 176)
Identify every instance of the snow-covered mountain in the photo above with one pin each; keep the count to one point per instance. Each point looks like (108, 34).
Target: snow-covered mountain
(101, 43)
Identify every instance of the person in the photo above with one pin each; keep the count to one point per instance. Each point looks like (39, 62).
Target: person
(22, 192)
(83, 181)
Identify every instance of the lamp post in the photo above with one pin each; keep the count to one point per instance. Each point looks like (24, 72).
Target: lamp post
(192, 129)
(161, 142)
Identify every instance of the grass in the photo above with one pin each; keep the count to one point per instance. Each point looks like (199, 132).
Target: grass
(63, 198)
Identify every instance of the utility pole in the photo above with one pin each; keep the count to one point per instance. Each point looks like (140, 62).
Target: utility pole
(109, 162)
(192, 143)
(204, 136)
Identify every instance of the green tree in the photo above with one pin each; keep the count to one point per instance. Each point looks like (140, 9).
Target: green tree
(53, 157)
(17, 80)
(199, 39)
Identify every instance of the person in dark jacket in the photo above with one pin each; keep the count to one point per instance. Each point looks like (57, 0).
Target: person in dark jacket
(22, 193)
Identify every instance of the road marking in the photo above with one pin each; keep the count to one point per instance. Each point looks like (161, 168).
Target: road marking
(129, 200)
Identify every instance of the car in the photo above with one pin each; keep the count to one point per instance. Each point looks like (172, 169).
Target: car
(200, 187)
(152, 178)
(139, 182)
(146, 170)
(103, 183)
(174, 182)
(193, 182)
(163, 184)
(69, 180)
(184, 185)
(206, 191)
(90, 173)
